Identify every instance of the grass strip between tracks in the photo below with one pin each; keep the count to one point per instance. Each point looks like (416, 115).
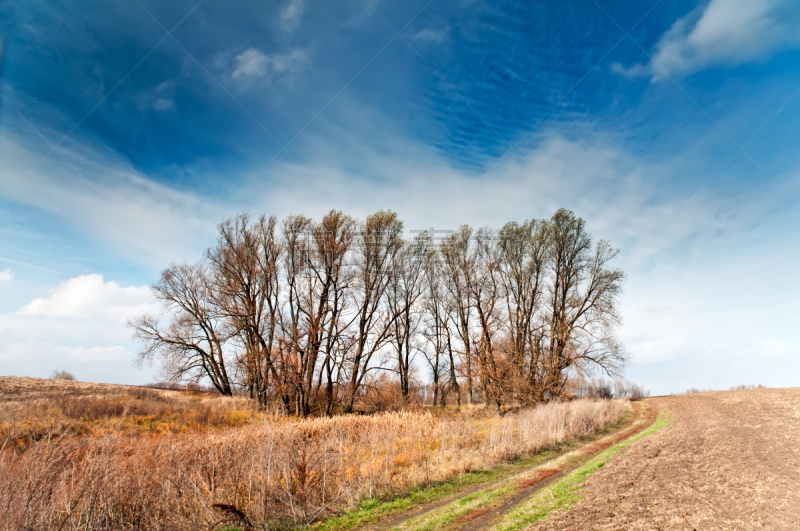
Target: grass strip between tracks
(563, 494)
(370, 510)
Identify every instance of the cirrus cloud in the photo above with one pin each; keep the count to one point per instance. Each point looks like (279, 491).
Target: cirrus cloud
(254, 64)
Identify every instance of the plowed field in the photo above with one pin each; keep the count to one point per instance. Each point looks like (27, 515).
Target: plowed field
(728, 460)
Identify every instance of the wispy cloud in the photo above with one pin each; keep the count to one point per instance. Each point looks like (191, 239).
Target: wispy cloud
(164, 104)
(253, 64)
(165, 96)
(292, 14)
(430, 36)
(723, 32)
(249, 64)
(110, 201)
(6, 275)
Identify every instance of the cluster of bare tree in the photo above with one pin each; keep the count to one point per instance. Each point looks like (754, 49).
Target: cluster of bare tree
(305, 312)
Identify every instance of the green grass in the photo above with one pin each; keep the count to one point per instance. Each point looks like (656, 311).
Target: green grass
(565, 493)
(441, 517)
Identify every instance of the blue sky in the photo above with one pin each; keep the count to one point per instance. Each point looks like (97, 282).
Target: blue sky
(129, 129)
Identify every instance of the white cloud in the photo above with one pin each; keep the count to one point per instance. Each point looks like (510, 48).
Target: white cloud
(288, 62)
(292, 13)
(724, 32)
(164, 104)
(430, 36)
(6, 275)
(95, 363)
(80, 324)
(60, 355)
(89, 296)
(253, 64)
(631, 72)
(250, 63)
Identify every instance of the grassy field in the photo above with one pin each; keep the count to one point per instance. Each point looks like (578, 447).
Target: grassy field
(88, 456)
(33, 409)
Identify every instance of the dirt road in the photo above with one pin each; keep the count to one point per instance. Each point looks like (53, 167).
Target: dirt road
(484, 505)
(729, 460)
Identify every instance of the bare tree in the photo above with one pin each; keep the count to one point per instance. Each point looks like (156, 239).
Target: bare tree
(436, 328)
(302, 312)
(582, 305)
(192, 341)
(62, 375)
(456, 265)
(378, 243)
(484, 289)
(523, 267)
(406, 286)
(244, 271)
(333, 240)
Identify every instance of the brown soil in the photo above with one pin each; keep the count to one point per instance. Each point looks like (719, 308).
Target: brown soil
(542, 475)
(458, 523)
(729, 460)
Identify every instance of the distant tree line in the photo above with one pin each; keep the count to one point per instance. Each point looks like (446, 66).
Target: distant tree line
(602, 388)
(308, 313)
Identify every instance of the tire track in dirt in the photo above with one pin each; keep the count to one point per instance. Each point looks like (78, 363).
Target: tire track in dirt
(481, 505)
(548, 476)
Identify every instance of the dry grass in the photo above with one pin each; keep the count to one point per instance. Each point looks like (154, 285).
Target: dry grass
(277, 472)
(33, 409)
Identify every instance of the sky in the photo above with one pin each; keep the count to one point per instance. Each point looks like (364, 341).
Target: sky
(130, 129)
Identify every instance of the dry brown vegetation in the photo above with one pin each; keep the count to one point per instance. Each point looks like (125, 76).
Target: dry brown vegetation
(270, 472)
(33, 409)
